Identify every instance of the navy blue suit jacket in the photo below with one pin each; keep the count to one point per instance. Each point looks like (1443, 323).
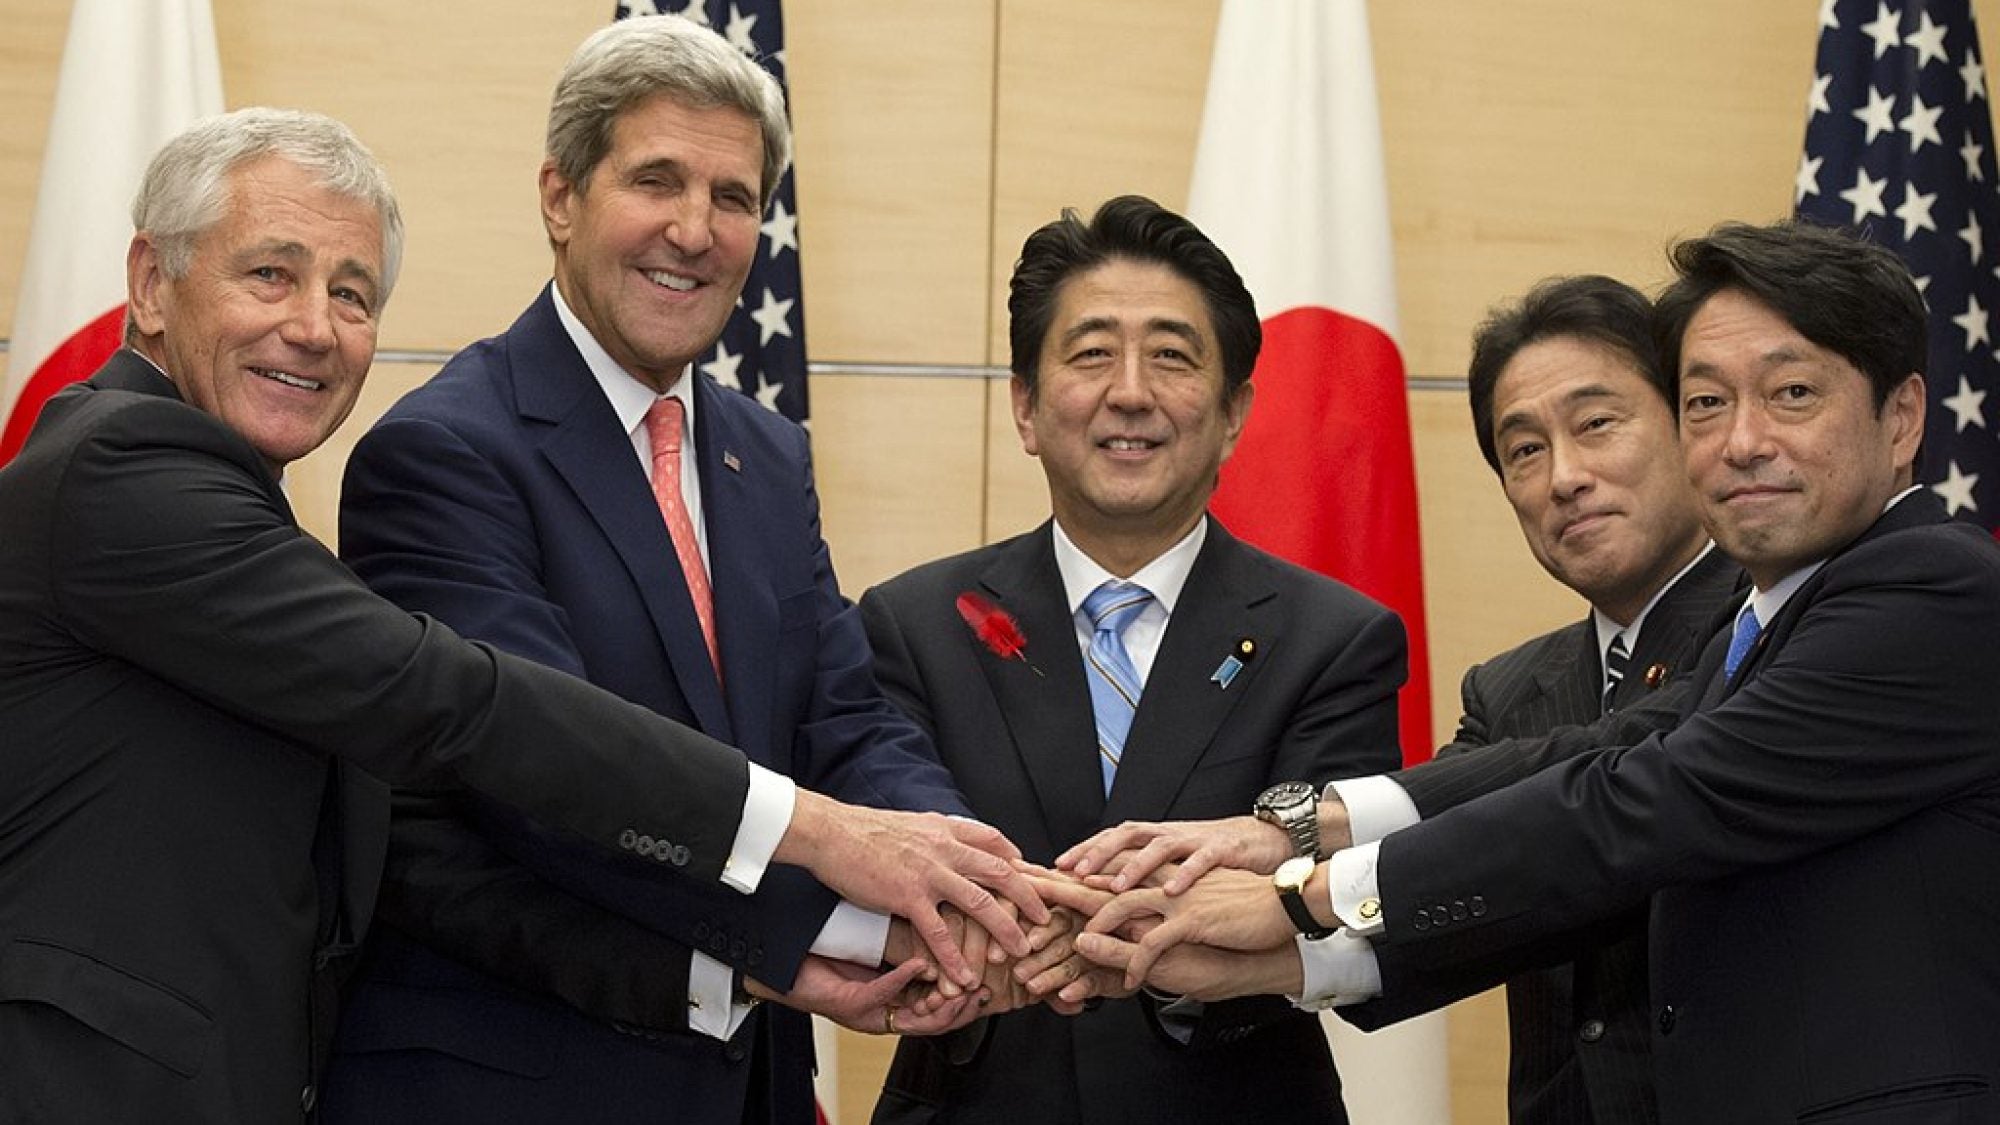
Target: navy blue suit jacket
(1817, 842)
(504, 497)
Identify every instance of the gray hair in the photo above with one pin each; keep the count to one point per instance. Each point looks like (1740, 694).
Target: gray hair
(185, 190)
(631, 60)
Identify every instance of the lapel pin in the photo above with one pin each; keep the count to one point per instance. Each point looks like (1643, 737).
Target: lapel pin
(730, 462)
(1226, 671)
(1234, 662)
(1656, 675)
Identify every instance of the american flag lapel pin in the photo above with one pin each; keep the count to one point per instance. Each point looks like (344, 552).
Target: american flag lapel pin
(730, 462)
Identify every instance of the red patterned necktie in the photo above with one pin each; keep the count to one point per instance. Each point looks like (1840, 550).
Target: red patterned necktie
(664, 423)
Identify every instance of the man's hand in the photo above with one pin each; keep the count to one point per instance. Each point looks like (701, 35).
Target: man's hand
(1132, 851)
(864, 999)
(907, 863)
(1202, 972)
(1225, 908)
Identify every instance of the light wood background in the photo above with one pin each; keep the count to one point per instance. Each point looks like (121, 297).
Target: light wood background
(1522, 139)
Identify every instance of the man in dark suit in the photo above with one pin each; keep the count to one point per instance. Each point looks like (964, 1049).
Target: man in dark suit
(1133, 340)
(1571, 410)
(529, 497)
(1817, 840)
(187, 855)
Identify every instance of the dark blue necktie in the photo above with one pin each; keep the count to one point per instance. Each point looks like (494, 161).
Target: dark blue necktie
(1740, 641)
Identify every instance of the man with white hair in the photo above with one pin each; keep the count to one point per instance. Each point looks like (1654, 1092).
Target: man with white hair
(187, 855)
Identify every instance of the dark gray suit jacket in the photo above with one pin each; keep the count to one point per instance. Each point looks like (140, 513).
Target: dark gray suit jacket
(1580, 1031)
(186, 862)
(1818, 842)
(1318, 700)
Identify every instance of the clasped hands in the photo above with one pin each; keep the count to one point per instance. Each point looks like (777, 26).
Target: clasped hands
(1184, 908)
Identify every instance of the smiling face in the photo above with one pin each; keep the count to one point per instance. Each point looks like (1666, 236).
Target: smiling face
(273, 326)
(1589, 462)
(1787, 451)
(1128, 415)
(652, 251)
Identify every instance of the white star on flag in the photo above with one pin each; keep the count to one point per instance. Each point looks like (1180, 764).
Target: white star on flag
(1921, 123)
(1915, 211)
(1970, 153)
(1882, 29)
(781, 230)
(1928, 42)
(1827, 19)
(1807, 181)
(723, 367)
(1968, 405)
(1865, 195)
(1956, 490)
(1816, 99)
(1878, 114)
(767, 395)
(1973, 236)
(1973, 75)
(738, 31)
(771, 317)
(1973, 321)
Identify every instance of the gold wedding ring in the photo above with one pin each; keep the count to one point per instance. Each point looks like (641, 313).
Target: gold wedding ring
(889, 1020)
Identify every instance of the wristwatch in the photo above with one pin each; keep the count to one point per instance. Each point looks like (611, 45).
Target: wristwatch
(1294, 807)
(1290, 880)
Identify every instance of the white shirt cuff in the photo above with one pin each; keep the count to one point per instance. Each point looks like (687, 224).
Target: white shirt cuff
(853, 934)
(1376, 806)
(767, 814)
(712, 1007)
(1338, 969)
(1350, 883)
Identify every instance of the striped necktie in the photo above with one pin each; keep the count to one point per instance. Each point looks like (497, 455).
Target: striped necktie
(1114, 681)
(1616, 659)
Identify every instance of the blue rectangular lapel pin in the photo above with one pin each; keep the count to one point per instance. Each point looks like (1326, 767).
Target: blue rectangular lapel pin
(1225, 672)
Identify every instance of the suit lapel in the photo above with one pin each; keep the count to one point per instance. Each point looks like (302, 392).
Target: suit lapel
(746, 613)
(1048, 716)
(1572, 681)
(1229, 599)
(592, 453)
(1674, 633)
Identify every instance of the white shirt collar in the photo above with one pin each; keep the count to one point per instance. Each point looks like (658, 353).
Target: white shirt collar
(1608, 630)
(1163, 577)
(629, 398)
(1768, 603)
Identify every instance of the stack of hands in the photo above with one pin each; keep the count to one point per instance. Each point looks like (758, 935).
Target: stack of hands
(1182, 909)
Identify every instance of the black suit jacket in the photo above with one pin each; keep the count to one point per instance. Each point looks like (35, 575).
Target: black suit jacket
(504, 497)
(1818, 841)
(186, 860)
(1317, 701)
(1580, 1031)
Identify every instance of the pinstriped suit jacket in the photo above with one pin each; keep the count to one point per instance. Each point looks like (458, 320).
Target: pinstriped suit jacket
(1579, 1030)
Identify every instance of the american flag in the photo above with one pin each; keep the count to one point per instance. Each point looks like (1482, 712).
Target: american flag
(1899, 144)
(762, 351)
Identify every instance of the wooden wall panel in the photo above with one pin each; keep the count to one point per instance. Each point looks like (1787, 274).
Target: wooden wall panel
(899, 463)
(453, 101)
(895, 136)
(29, 52)
(1094, 100)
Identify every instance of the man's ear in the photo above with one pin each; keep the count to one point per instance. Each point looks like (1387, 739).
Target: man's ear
(559, 198)
(145, 285)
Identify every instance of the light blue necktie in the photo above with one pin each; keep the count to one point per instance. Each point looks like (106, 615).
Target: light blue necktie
(1114, 682)
(1740, 641)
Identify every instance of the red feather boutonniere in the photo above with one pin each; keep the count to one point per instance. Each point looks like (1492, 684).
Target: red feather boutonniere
(995, 628)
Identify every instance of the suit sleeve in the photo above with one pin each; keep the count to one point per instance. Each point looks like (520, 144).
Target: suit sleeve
(431, 525)
(178, 560)
(1828, 714)
(854, 743)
